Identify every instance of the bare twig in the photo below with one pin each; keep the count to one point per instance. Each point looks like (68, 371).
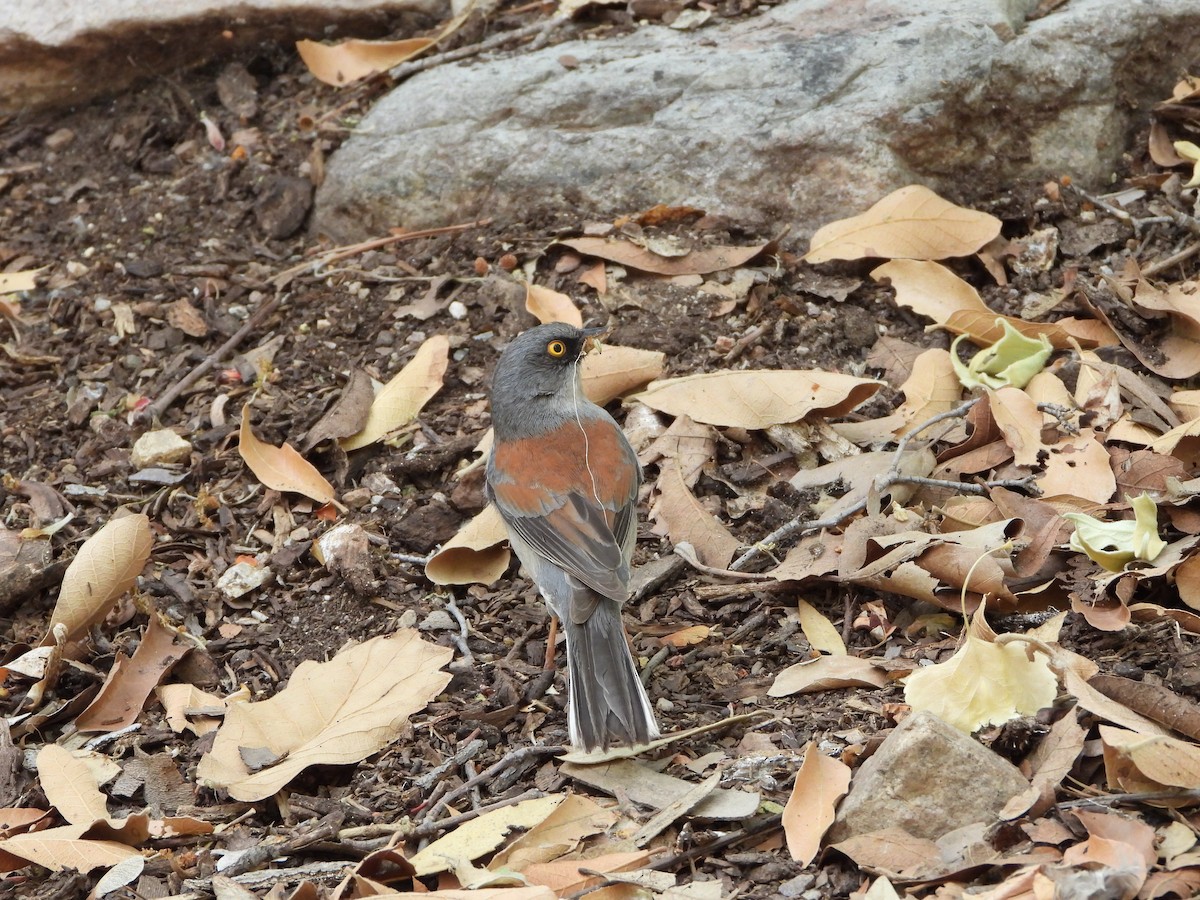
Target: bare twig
(1173, 260)
(460, 639)
(536, 30)
(891, 477)
(169, 396)
(336, 254)
(514, 758)
(428, 829)
(468, 752)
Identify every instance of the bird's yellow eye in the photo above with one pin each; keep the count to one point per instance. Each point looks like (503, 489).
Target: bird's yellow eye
(557, 349)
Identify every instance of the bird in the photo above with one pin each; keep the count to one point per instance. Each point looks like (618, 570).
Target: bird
(565, 481)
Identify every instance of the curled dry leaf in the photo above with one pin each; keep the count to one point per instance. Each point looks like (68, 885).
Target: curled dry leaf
(63, 848)
(758, 398)
(820, 783)
(401, 399)
(106, 566)
(474, 555)
(281, 468)
(821, 633)
(932, 290)
(1141, 762)
(551, 306)
(341, 64)
(931, 388)
(827, 673)
(331, 713)
(131, 679)
(681, 515)
(697, 262)
(483, 835)
(911, 223)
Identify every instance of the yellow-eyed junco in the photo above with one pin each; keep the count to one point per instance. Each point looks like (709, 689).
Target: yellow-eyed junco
(565, 481)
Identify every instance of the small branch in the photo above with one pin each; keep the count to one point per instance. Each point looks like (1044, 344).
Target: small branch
(159, 406)
(542, 29)
(460, 639)
(889, 478)
(428, 829)
(1173, 260)
(336, 254)
(514, 758)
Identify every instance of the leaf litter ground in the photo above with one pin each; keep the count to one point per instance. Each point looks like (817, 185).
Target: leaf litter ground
(160, 247)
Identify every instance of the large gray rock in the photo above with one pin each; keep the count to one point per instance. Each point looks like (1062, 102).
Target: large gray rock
(927, 778)
(803, 114)
(56, 52)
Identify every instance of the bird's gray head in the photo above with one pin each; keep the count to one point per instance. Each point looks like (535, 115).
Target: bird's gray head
(536, 385)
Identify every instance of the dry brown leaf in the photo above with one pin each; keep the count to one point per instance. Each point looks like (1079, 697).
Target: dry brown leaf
(1154, 701)
(12, 282)
(931, 388)
(402, 399)
(1075, 670)
(574, 819)
(62, 848)
(932, 290)
(821, 633)
(683, 518)
(595, 277)
(1051, 760)
(697, 262)
(348, 414)
(613, 371)
(820, 783)
(106, 566)
(1078, 466)
(1139, 762)
(686, 637)
(759, 398)
(477, 837)
(827, 673)
(281, 468)
(179, 702)
(341, 64)
(131, 679)
(70, 787)
(551, 306)
(889, 849)
(331, 713)
(474, 555)
(565, 879)
(910, 223)
(1020, 421)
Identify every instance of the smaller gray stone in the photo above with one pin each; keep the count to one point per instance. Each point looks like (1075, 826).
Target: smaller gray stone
(282, 206)
(927, 778)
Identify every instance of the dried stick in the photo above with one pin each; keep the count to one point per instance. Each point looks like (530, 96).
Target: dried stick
(889, 478)
(541, 30)
(159, 406)
(336, 254)
(517, 756)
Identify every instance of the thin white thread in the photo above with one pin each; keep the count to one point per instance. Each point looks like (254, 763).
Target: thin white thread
(587, 462)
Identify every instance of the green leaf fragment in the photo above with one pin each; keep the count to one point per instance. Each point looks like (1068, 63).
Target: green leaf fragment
(1011, 361)
(1115, 544)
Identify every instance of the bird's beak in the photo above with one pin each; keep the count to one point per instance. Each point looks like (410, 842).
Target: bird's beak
(592, 338)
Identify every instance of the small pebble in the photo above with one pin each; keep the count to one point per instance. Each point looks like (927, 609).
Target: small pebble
(458, 309)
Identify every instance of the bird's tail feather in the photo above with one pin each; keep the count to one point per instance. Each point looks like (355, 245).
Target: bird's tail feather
(607, 700)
